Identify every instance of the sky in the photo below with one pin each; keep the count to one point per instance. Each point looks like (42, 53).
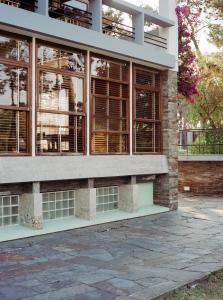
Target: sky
(205, 46)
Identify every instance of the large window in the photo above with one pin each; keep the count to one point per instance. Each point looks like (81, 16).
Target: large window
(14, 95)
(109, 106)
(61, 101)
(146, 111)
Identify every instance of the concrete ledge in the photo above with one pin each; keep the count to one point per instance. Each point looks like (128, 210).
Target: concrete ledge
(47, 168)
(200, 158)
(17, 232)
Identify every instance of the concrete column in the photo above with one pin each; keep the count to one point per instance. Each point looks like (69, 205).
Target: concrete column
(43, 7)
(85, 203)
(167, 9)
(166, 186)
(30, 208)
(128, 198)
(139, 22)
(95, 8)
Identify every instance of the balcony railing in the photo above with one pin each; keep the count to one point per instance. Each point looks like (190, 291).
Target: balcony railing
(117, 29)
(200, 142)
(70, 14)
(30, 5)
(155, 40)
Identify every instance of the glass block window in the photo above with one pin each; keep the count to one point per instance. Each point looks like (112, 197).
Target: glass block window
(107, 198)
(58, 204)
(9, 210)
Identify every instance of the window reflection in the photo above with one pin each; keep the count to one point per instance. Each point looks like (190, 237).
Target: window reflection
(55, 58)
(61, 92)
(13, 86)
(14, 91)
(60, 128)
(14, 49)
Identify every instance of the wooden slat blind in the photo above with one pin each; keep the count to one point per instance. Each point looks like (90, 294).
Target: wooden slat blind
(146, 122)
(109, 105)
(61, 101)
(14, 95)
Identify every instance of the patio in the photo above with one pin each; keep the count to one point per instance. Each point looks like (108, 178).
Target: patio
(140, 258)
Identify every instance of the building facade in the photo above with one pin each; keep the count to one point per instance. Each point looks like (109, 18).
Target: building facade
(87, 114)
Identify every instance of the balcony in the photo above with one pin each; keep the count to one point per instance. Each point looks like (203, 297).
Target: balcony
(30, 5)
(84, 22)
(78, 15)
(117, 29)
(155, 40)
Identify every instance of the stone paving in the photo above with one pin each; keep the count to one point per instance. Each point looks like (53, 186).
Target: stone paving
(137, 259)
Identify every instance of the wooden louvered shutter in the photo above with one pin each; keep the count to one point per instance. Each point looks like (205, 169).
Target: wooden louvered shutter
(110, 100)
(147, 124)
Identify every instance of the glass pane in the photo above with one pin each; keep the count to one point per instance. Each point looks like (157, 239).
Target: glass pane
(144, 77)
(114, 89)
(13, 86)
(60, 59)
(13, 131)
(100, 143)
(14, 49)
(59, 133)
(115, 71)
(100, 106)
(144, 105)
(61, 92)
(99, 67)
(144, 137)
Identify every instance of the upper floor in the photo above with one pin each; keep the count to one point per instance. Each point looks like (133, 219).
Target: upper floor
(140, 34)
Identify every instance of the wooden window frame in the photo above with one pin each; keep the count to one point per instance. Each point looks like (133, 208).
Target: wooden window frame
(107, 97)
(42, 68)
(28, 108)
(136, 87)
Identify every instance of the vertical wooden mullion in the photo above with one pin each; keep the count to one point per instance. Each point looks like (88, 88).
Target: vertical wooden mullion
(131, 109)
(34, 97)
(88, 121)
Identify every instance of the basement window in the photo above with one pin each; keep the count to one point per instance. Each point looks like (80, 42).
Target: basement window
(58, 205)
(107, 198)
(9, 210)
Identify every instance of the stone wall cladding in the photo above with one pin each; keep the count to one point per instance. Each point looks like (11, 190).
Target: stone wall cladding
(203, 177)
(165, 186)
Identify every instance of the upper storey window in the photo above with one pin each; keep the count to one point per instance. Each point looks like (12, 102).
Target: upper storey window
(109, 106)
(146, 119)
(14, 95)
(73, 12)
(61, 101)
(24, 4)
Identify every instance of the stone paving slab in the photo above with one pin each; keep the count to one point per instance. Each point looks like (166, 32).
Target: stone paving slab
(138, 259)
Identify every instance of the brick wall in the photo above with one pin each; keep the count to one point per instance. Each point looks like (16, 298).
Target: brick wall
(203, 177)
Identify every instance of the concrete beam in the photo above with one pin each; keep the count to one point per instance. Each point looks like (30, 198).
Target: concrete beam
(47, 168)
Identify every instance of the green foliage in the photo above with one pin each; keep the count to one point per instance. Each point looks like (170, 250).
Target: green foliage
(207, 110)
(208, 142)
(209, 289)
(216, 35)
